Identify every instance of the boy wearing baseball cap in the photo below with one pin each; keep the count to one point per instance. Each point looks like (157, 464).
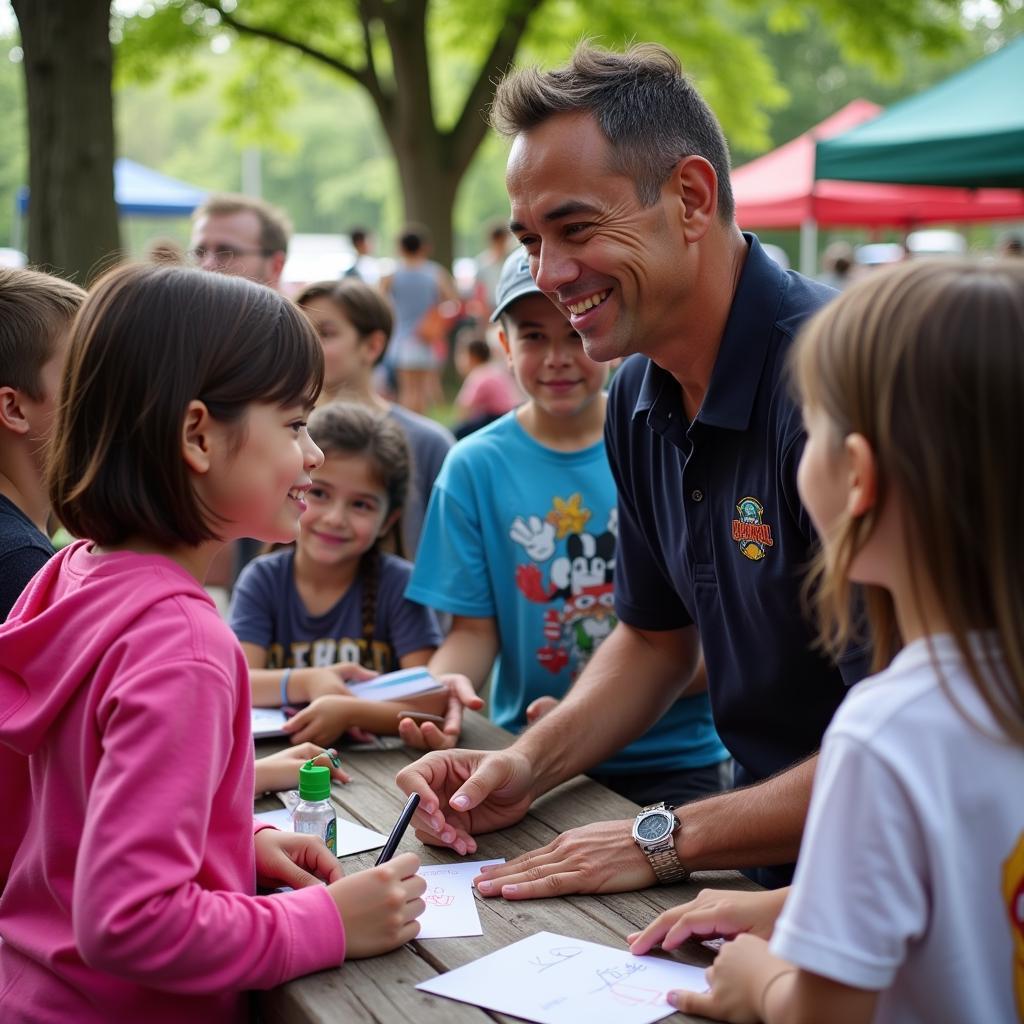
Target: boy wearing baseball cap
(519, 547)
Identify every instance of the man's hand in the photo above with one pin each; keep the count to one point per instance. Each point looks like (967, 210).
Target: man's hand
(427, 735)
(713, 913)
(600, 857)
(290, 858)
(466, 792)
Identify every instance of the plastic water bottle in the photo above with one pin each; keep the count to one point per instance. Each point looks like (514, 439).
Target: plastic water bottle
(314, 813)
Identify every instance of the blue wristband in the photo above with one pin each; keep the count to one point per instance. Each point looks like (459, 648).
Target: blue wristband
(285, 676)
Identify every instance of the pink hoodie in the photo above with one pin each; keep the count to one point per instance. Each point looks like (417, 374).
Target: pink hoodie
(131, 895)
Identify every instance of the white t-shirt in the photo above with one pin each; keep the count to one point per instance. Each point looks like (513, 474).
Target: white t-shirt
(911, 871)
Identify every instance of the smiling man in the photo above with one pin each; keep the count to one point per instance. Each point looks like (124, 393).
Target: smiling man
(618, 177)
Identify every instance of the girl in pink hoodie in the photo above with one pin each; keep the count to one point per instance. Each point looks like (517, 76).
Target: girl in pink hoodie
(132, 893)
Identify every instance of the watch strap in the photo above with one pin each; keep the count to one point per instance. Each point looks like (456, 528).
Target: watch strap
(662, 854)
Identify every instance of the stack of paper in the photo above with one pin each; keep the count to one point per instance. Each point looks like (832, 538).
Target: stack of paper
(408, 682)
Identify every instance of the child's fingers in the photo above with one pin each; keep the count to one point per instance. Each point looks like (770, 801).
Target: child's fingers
(411, 734)
(350, 672)
(643, 941)
(405, 866)
(700, 1004)
(310, 732)
(462, 689)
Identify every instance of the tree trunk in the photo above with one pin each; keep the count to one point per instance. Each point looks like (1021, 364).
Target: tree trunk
(428, 197)
(421, 151)
(73, 228)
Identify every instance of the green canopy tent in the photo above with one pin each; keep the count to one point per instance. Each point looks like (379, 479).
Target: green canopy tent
(967, 131)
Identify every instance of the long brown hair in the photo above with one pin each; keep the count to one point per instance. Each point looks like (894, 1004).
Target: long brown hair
(927, 363)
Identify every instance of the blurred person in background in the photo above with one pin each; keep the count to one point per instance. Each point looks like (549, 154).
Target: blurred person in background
(366, 266)
(241, 236)
(488, 388)
(837, 264)
(419, 345)
(489, 263)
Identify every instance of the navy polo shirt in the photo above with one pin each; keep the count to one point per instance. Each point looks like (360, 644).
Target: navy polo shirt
(712, 530)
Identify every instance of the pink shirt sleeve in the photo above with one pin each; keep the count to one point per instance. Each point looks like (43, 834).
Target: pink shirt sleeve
(165, 873)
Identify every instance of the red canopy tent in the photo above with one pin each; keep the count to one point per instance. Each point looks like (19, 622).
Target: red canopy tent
(778, 190)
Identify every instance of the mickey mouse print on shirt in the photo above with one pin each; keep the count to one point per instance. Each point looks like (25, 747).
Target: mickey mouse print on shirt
(570, 569)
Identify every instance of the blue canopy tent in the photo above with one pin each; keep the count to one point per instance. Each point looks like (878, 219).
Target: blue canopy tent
(141, 192)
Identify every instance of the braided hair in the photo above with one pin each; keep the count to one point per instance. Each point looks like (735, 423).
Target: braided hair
(346, 428)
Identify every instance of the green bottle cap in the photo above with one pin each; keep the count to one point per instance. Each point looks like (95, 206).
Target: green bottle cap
(314, 781)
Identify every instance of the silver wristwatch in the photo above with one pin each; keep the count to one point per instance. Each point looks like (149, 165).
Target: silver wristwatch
(654, 832)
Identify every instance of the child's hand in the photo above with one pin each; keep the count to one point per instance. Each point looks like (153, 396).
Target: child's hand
(538, 708)
(311, 683)
(280, 771)
(379, 906)
(426, 735)
(737, 981)
(322, 721)
(713, 913)
(290, 858)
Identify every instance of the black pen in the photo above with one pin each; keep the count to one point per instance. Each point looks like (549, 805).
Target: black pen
(398, 831)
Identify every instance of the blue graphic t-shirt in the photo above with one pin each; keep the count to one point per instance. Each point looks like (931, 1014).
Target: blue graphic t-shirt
(266, 609)
(526, 535)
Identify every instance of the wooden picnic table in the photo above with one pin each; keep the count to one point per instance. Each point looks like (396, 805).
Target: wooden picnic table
(382, 989)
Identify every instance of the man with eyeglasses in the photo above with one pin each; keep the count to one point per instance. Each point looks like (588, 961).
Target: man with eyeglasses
(241, 236)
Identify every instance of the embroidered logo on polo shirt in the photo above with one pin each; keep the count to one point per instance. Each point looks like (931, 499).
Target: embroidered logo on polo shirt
(752, 535)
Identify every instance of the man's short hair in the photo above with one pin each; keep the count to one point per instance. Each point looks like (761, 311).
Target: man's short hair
(647, 109)
(275, 226)
(35, 309)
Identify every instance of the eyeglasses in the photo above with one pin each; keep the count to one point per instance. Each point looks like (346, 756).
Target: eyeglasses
(222, 255)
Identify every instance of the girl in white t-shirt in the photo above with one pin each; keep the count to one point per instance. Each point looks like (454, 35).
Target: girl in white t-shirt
(908, 901)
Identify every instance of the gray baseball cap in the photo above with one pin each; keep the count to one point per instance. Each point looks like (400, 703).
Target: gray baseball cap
(514, 283)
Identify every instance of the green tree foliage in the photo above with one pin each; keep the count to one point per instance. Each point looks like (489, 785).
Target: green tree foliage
(14, 154)
(428, 66)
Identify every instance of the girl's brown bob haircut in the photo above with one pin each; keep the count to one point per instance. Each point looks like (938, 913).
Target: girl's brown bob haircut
(148, 340)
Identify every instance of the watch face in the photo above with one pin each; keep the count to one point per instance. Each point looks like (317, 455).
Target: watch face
(653, 827)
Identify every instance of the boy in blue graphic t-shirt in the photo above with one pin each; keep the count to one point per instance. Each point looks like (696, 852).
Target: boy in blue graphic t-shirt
(519, 547)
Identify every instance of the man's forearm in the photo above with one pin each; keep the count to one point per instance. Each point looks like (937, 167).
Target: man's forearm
(629, 683)
(751, 827)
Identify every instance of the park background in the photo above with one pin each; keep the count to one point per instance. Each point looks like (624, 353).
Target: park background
(289, 99)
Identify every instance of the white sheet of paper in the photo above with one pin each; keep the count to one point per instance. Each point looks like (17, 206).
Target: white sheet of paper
(267, 722)
(554, 979)
(451, 902)
(352, 838)
(406, 682)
